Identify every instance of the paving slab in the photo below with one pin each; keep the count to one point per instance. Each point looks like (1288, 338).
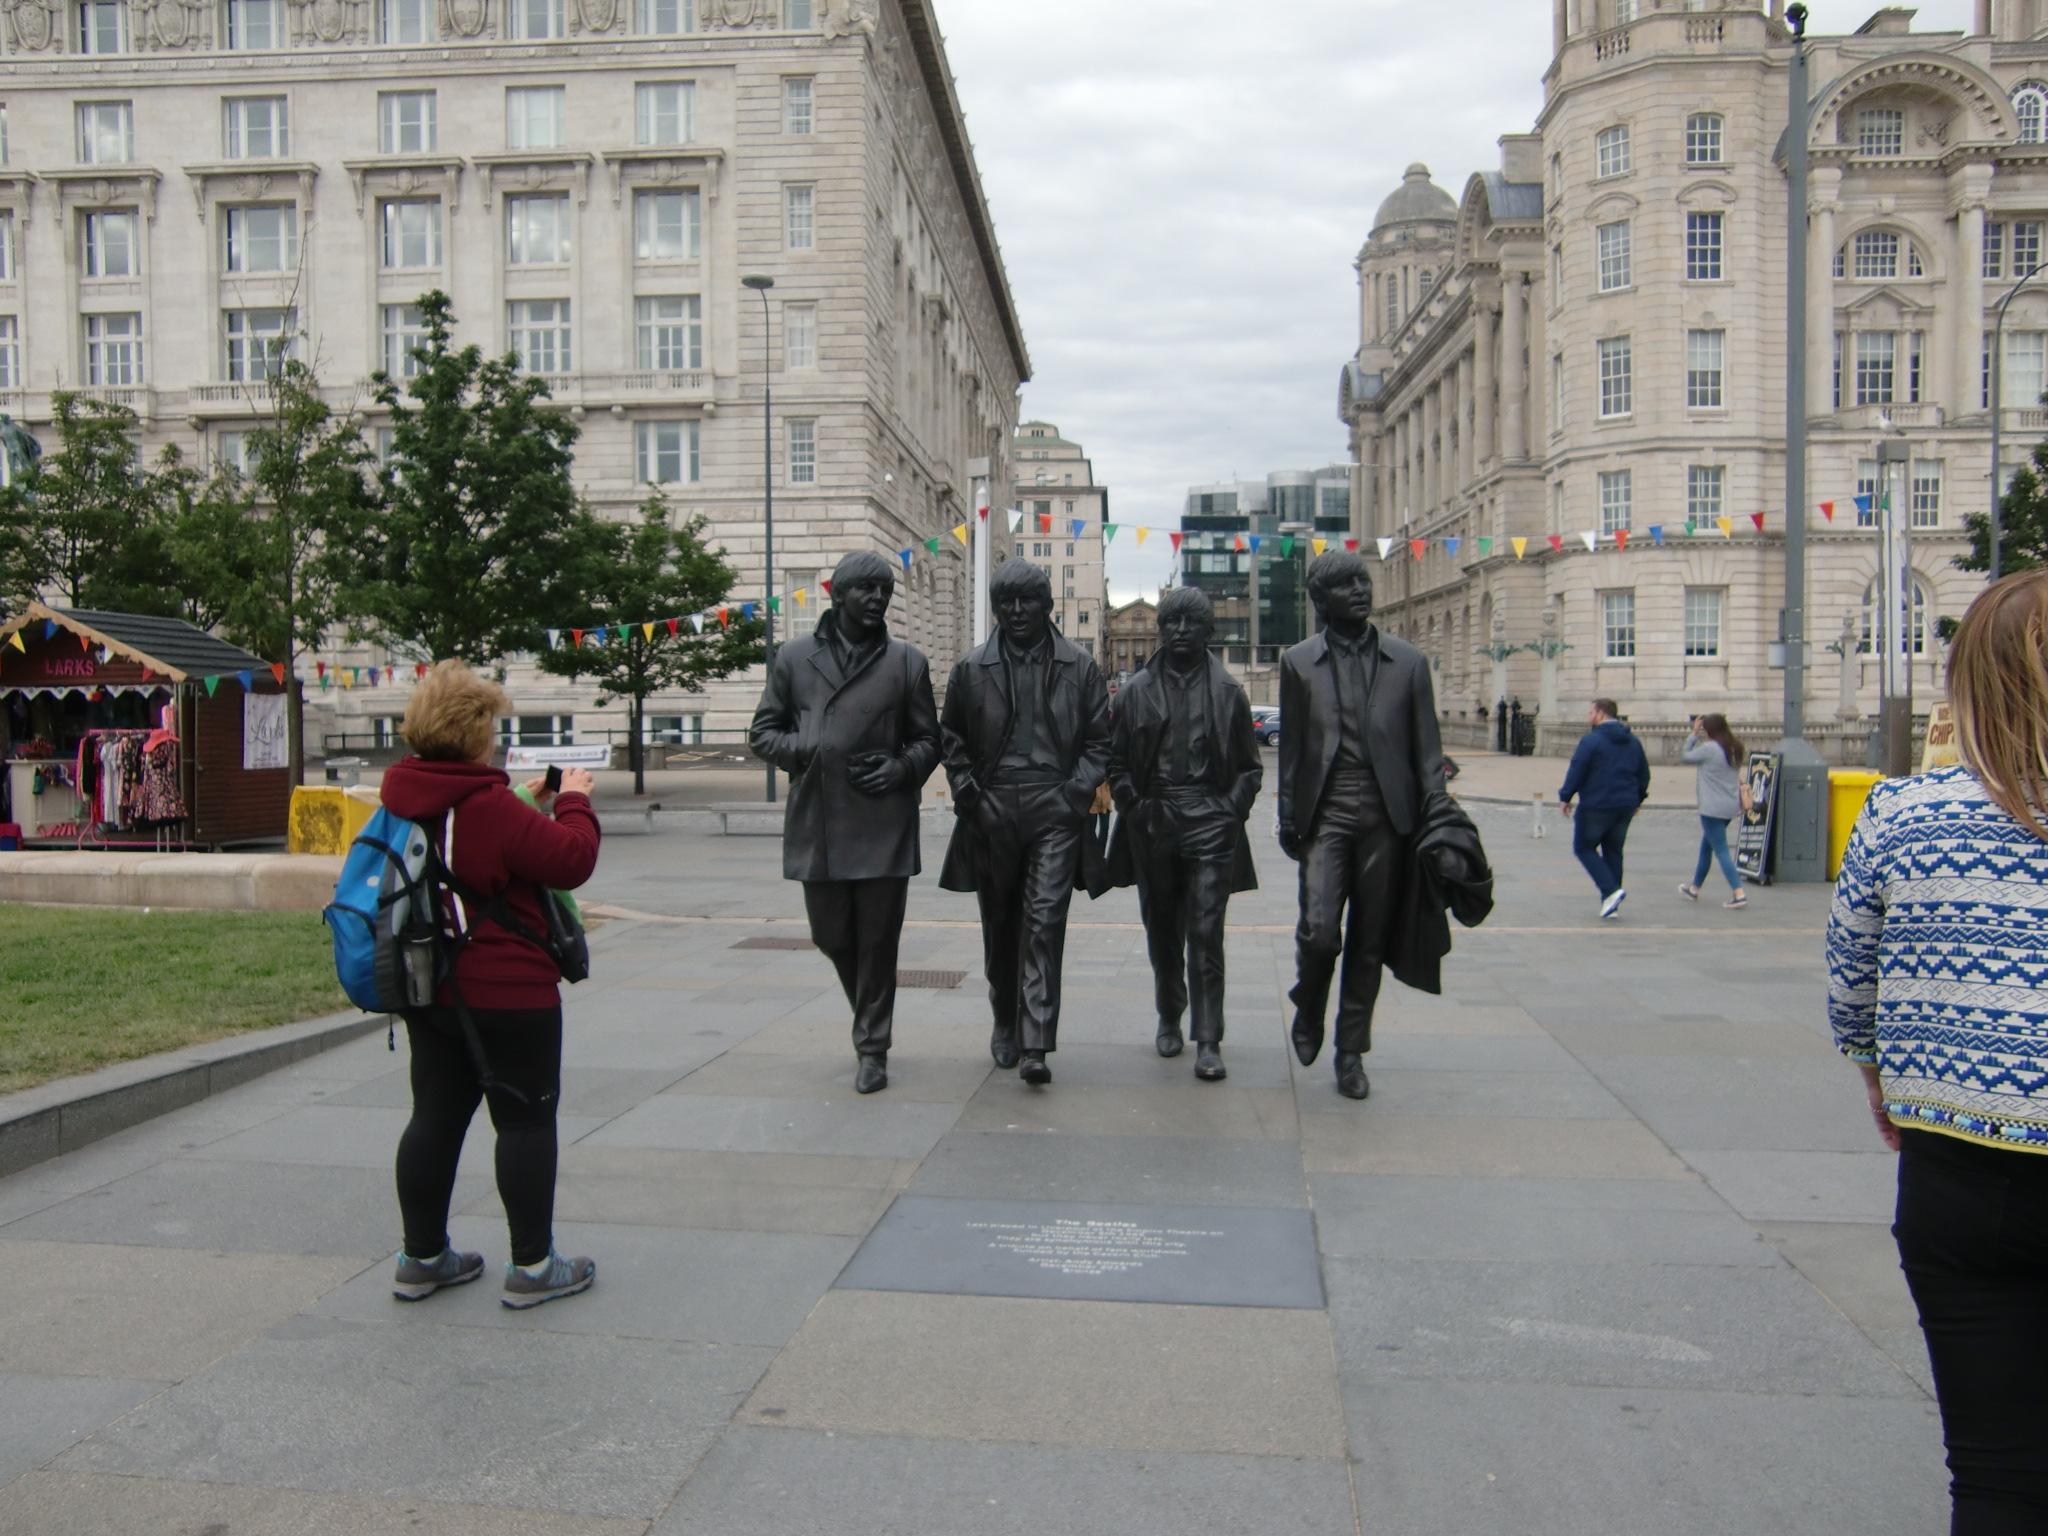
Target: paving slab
(1154, 1170)
(1465, 1095)
(148, 1313)
(828, 1038)
(1236, 1381)
(1470, 1147)
(1857, 1268)
(363, 1136)
(1744, 1104)
(1591, 1461)
(1803, 1186)
(47, 1415)
(852, 1126)
(913, 1079)
(781, 1482)
(528, 1419)
(1075, 1106)
(588, 1093)
(729, 1191)
(1190, 1255)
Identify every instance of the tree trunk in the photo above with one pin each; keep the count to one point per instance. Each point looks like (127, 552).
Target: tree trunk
(295, 728)
(636, 750)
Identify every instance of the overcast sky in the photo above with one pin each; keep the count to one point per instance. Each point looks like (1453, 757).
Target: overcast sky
(1180, 188)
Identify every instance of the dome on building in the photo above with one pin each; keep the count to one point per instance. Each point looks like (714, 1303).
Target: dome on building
(1418, 200)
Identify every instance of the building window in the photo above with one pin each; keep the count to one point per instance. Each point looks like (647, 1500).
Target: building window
(103, 26)
(536, 117)
(1915, 625)
(1617, 377)
(803, 453)
(1994, 250)
(113, 350)
(537, 332)
(796, 14)
(405, 21)
(258, 340)
(1880, 131)
(2030, 105)
(109, 241)
(406, 123)
(676, 730)
(1915, 372)
(799, 335)
(1704, 370)
(665, 112)
(669, 331)
(796, 105)
(1876, 255)
(2026, 368)
(8, 270)
(800, 232)
(1926, 504)
(263, 238)
(1617, 269)
(666, 452)
(1618, 626)
(106, 132)
(1393, 305)
(1876, 366)
(412, 233)
(667, 226)
(1870, 493)
(10, 357)
(537, 731)
(1702, 622)
(1703, 139)
(403, 329)
(256, 23)
(232, 450)
(2026, 247)
(1617, 500)
(537, 230)
(1612, 153)
(1556, 392)
(255, 127)
(1703, 247)
(534, 20)
(665, 18)
(1703, 499)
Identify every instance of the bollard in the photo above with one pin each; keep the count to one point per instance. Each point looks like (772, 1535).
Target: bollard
(1536, 818)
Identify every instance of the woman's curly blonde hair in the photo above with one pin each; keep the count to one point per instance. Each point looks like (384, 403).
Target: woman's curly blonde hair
(453, 715)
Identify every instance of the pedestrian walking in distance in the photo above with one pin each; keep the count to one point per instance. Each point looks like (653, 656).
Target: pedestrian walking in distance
(1718, 754)
(507, 855)
(1937, 952)
(1609, 778)
(848, 715)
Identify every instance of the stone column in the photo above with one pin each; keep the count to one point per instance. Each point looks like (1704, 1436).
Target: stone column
(1514, 373)
(1468, 469)
(1433, 446)
(1969, 293)
(1820, 296)
(1482, 353)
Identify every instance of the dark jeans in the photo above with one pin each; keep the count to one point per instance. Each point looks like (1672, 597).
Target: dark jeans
(1597, 838)
(859, 924)
(1029, 854)
(1972, 1230)
(524, 1046)
(1352, 862)
(1185, 841)
(1714, 849)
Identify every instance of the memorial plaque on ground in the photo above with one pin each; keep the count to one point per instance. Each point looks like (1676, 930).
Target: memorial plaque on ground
(1193, 1255)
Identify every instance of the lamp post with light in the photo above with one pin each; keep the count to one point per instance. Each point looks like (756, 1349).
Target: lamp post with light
(761, 284)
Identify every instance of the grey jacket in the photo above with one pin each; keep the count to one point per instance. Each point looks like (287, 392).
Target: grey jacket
(1720, 781)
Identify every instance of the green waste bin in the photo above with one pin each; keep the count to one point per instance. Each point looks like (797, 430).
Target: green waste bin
(1848, 788)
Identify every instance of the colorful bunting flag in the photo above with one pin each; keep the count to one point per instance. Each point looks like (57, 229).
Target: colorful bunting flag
(1758, 519)
(697, 622)
(1657, 534)
(1286, 546)
(1521, 547)
(931, 546)
(1592, 538)
(1109, 533)
(1016, 523)
(419, 669)
(747, 612)
(1318, 545)
(326, 682)
(724, 617)
(1451, 547)
(960, 533)
(647, 630)
(1727, 527)
(576, 638)
(1351, 546)
(1621, 538)
(15, 641)
(1256, 538)
(373, 678)
(85, 642)
(1556, 543)
(1827, 510)
(1079, 527)
(1863, 506)
(554, 638)
(246, 678)
(211, 684)
(1141, 536)
(825, 587)
(1485, 546)
(775, 605)
(904, 556)
(1416, 546)
(1045, 522)
(49, 628)
(1238, 543)
(1176, 538)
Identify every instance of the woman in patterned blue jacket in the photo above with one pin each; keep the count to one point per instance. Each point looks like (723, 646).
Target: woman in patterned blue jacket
(1938, 990)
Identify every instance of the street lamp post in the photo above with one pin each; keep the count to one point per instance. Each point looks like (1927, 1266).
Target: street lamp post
(761, 285)
(1998, 415)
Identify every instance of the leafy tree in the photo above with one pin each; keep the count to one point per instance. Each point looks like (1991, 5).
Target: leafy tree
(652, 572)
(477, 539)
(2023, 530)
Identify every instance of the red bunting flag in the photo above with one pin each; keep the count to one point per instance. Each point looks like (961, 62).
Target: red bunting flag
(1045, 522)
(1176, 537)
(419, 669)
(576, 635)
(319, 669)
(85, 642)
(1758, 519)
(1351, 546)
(673, 626)
(724, 617)
(1621, 538)
(828, 585)
(1238, 543)
(1416, 547)
(277, 671)
(984, 513)
(1827, 510)
(1557, 543)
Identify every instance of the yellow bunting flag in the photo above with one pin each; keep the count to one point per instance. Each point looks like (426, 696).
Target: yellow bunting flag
(1319, 545)
(647, 631)
(1141, 536)
(1521, 547)
(960, 533)
(1726, 525)
(15, 641)
(802, 595)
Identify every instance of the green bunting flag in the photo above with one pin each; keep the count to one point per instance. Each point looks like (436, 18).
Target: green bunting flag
(775, 605)
(1109, 532)
(1485, 546)
(211, 684)
(1286, 548)
(931, 546)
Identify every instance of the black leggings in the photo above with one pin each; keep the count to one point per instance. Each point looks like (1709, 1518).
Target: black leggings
(1972, 1230)
(524, 1046)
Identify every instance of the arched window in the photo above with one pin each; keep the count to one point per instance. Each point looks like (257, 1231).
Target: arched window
(1878, 255)
(1867, 646)
(2030, 104)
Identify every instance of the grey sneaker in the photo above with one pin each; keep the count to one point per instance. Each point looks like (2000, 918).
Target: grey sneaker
(417, 1279)
(562, 1277)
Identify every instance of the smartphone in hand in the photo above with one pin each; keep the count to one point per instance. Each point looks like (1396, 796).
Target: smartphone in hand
(554, 779)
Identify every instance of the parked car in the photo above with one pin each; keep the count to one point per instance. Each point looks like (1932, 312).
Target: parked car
(1265, 725)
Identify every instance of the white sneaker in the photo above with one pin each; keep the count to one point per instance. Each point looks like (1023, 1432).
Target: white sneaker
(1611, 907)
(1689, 892)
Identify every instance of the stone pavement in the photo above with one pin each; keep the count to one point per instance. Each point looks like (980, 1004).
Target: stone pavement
(1605, 1252)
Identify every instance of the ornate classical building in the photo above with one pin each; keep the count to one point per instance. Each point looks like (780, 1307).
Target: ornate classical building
(1592, 339)
(1064, 512)
(590, 180)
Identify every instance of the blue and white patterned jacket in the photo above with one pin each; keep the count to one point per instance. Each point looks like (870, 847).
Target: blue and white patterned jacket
(1938, 960)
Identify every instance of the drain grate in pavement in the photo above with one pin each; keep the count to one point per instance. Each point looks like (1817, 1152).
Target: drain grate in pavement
(937, 981)
(773, 944)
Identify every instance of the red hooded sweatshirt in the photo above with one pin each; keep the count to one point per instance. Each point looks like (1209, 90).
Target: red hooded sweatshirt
(495, 843)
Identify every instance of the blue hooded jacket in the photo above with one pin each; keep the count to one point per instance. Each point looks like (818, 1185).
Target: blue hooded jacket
(1609, 771)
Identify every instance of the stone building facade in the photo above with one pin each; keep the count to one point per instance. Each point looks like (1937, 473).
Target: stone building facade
(589, 180)
(1130, 636)
(1592, 338)
(1064, 513)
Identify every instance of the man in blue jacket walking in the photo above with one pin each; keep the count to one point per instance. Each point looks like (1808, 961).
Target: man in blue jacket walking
(1610, 778)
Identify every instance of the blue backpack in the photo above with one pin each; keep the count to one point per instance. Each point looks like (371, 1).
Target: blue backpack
(382, 903)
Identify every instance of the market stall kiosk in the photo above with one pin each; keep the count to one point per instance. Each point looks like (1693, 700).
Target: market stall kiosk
(121, 730)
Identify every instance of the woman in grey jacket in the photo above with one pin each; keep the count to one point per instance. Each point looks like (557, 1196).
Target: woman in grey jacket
(1718, 755)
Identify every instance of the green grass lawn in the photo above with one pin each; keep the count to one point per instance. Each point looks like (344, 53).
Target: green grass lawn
(83, 987)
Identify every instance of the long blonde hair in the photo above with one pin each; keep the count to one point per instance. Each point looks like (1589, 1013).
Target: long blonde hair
(1998, 687)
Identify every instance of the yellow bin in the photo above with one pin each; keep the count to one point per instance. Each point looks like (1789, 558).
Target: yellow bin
(325, 818)
(1848, 788)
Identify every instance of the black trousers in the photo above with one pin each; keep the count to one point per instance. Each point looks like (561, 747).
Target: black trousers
(1972, 1229)
(1349, 866)
(859, 926)
(1029, 854)
(524, 1046)
(1186, 839)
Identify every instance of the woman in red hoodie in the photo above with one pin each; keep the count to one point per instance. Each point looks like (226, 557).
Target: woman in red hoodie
(499, 850)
